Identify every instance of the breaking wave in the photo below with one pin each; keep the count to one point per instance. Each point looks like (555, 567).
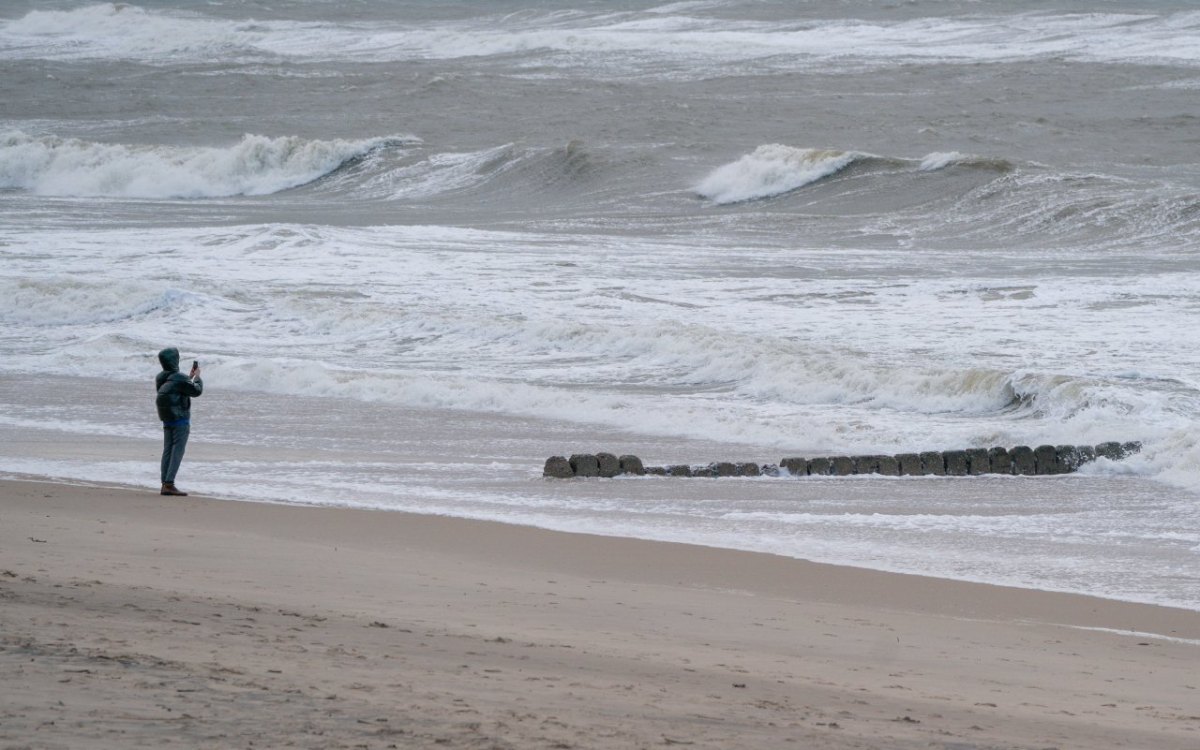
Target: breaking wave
(631, 37)
(772, 170)
(775, 169)
(256, 165)
(124, 31)
(505, 177)
(546, 354)
(433, 175)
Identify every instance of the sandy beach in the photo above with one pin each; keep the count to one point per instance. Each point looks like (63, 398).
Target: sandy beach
(134, 620)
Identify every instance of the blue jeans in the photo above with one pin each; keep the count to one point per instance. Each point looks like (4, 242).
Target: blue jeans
(175, 439)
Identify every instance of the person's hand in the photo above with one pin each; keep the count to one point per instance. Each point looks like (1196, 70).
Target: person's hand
(195, 373)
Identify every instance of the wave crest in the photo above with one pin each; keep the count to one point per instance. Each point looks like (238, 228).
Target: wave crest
(772, 170)
(256, 165)
(943, 159)
(118, 30)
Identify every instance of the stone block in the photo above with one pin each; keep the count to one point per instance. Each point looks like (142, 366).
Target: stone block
(910, 464)
(978, 462)
(956, 463)
(1111, 451)
(679, 470)
(656, 471)
(1046, 458)
(747, 469)
(770, 470)
(558, 467)
(889, 466)
(1023, 460)
(933, 462)
(841, 466)
(609, 465)
(1000, 461)
(796, 466)
(632, 465)
(820, 467)
(726, 469)
(708, 470)
(1068, 458)
(866, 464)
(1128, 449)
(1086, 454)
(585, 465)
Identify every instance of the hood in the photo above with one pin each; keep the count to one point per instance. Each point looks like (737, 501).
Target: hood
(169, 359)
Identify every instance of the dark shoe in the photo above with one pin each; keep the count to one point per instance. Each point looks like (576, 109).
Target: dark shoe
(170, 489)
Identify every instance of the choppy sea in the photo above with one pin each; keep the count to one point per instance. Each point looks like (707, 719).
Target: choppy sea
(418, 247)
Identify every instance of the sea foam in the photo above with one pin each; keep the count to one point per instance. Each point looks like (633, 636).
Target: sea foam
(255, 165)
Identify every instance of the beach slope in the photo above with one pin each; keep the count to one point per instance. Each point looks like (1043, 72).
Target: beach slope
(133, 620)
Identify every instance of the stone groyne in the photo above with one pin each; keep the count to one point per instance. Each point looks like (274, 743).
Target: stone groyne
(1044, 460)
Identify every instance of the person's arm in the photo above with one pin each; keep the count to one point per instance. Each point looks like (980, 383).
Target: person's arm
(193, 386)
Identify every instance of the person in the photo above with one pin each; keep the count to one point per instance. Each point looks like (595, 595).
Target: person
(174, 404)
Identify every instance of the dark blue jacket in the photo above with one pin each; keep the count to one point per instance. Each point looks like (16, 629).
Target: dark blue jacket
(175, 390)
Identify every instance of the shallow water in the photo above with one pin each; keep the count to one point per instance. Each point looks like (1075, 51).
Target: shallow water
(1096, 532)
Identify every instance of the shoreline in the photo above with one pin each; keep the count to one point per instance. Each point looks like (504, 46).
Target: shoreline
(990, 599)
(130, 618)
(990, 529)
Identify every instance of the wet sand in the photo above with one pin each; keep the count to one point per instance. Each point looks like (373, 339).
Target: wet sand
(133, 620)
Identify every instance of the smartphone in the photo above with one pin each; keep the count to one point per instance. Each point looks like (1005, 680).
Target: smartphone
(195, 364)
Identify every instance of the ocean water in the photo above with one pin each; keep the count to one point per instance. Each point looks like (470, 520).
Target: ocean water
(419, 247)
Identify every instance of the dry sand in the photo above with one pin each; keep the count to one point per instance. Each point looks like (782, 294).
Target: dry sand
(133, 620)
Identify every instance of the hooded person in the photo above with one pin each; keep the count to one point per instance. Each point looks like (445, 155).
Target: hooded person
(174, 404)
